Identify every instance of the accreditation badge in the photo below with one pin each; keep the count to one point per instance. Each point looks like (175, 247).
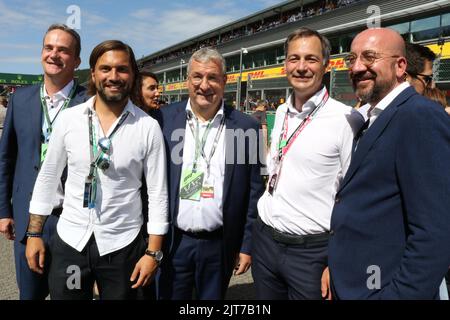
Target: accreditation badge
(191, 184)
(274, 178)
(208, 189)
(87, 192)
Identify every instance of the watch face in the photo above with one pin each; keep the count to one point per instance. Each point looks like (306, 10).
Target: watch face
(158, 255)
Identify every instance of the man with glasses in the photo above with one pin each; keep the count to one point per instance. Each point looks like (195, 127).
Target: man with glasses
(32, 113)
(390, 225)
(214, 184)
(419, 71)
(99, 233)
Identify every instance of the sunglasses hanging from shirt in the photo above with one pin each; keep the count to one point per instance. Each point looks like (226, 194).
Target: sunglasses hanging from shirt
(48, 124)
(193, 183)
(285, 143)
(102, 159)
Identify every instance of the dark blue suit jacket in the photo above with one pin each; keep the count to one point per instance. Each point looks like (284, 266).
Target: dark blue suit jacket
(243, 184)
(20, 153)
(392, 211)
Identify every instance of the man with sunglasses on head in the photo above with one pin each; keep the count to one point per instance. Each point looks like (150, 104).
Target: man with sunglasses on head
(391, 222)
(109, 144)
(419, 70)
(32, 114)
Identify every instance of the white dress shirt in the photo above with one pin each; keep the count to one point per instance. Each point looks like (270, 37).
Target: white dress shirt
(54, 105)
(137, 148)
(206, 214)
(312, 168)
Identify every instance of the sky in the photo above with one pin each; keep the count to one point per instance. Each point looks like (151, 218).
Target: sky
(147, 26)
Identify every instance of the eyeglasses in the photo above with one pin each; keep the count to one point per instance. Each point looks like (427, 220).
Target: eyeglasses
(210, 79)
(103, 160)
(427, 78)
(367, 58)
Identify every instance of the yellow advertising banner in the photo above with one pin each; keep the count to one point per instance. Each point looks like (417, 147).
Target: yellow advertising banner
(263, 74)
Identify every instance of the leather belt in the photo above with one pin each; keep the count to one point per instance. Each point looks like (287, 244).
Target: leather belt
(202, 234)
(287, 238)
(57, 212)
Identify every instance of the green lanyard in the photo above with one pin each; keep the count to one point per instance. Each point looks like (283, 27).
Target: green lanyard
(91, 180)
(46, 133)
(200, 145)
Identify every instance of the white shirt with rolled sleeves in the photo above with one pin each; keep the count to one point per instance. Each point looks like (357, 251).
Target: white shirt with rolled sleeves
(313, 167)
(137, 149)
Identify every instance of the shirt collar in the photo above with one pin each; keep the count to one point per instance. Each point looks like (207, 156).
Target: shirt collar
(61, 94)
(380, 106)
(130, 107)
(219, 114)
(307, 107)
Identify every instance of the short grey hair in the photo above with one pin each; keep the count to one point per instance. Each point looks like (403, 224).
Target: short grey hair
(306, 33)
(205, 55)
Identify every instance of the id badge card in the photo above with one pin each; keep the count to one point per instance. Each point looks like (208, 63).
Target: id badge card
(273, 180)
(191, 184)
(44, 147)
(208, 189)
(89, 193)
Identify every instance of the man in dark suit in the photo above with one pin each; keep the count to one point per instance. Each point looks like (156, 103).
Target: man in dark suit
(391, 221)
(32, 112)
(214, 184)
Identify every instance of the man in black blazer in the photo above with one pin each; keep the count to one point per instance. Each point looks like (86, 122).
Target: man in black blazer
(390, 227)
(214, 185)
(32, 111)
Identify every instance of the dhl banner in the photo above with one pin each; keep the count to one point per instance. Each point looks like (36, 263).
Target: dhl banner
(263, 74)
(279, 72)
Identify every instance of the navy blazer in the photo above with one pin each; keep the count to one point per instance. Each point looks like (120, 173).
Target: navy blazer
(243, 184)
(20, 153)
(392, 213)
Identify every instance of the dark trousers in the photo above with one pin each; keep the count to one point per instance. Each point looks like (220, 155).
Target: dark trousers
(32, 285)
(286, 271)
(72, 273)
(194, 267)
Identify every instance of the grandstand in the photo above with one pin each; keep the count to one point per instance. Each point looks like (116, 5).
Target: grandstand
(253, 45)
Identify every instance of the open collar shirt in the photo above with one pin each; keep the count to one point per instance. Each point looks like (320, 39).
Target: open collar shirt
(137, 149)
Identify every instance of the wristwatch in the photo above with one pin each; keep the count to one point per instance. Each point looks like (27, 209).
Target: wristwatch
(157, 255)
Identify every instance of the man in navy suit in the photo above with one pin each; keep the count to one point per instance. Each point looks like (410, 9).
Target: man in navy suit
(391, 221)
(31, 114)
(214, 185)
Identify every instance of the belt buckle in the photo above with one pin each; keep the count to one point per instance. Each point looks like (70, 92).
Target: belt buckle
(286, 239)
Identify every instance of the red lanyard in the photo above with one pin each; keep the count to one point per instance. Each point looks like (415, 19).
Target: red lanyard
(284, 145)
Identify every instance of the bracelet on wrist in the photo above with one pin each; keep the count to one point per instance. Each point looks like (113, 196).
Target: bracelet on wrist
(34, 234)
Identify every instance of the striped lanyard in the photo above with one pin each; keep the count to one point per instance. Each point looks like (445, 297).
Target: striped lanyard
(200, 144)
(285, 143)
(47, 126)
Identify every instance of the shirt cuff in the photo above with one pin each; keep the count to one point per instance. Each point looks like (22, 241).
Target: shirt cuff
(40, 208)
(158, 228)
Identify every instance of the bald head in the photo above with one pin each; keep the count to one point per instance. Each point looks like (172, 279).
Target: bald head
(382, 40)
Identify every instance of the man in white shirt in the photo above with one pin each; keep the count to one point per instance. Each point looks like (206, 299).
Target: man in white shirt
(391, 222)
(108, 144)
(32, 113)
(214, 184)
(310, 152)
